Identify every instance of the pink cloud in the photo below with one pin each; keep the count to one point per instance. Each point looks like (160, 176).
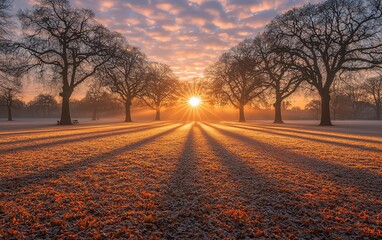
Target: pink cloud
(187, 34)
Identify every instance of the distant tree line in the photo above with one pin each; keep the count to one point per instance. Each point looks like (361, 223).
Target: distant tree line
(46, 106)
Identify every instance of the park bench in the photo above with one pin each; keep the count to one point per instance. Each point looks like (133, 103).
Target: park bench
(74, 122)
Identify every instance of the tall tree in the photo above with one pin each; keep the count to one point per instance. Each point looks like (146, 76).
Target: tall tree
(161, 88)
(314, 106)
(94, 96)
(125, 74)
(236, 77)
(356, 95)
(5, 18)
(10, 87)
(67, 41)
(44, 103)
(279, 74)
(13, 67)
(329, 38)
(336, 98)
(373, 87)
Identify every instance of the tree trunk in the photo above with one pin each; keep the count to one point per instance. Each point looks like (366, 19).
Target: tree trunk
(157, 115)
(10, 113)
(65, 110)
(241, 113)
(128, 112)
(325, 109)
(278, 117)
(94, 114)
(334, 115)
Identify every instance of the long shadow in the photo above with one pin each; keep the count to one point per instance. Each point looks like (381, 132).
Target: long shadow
(307, 132)
(181, 205)
(79, 139)
(375, 150)
(364, 180)
(257, 189)
(12, 185)
(83, 134)
(56, 129)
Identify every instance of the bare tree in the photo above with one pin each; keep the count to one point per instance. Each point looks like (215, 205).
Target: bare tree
(336, 96)
(126, 75)
(161, 88)
(10, 87)
(279, 75)
(44, 103)
(5, 18)
(314, 106)
(67, 41)
(236, 77)
(94, 96)
(355, 93)
(98, 100)
(12, 69)
(373, 87)
(329, 38)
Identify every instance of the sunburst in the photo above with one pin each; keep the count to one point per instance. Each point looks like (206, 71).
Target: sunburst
(194, 101)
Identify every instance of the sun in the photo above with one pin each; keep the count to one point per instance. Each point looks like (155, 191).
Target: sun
(194, 101)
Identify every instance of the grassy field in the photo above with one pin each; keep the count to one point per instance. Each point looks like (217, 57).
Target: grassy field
(198, 180)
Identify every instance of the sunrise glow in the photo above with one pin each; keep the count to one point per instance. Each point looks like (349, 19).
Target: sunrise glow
(194, 101)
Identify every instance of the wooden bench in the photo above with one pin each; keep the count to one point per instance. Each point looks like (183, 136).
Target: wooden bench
(74, 122)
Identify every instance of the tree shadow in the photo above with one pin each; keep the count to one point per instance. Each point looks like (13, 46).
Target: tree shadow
(54, 128)
(269, 204)
(308, 132)
(80, 139)
(369, 149)
(364, 180)
(82, 134)
(12, 185)
(182, 208)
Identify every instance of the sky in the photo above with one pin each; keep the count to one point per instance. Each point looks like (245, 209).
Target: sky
(188, 35)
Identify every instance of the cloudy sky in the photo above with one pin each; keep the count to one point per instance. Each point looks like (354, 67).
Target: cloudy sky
(186, 34)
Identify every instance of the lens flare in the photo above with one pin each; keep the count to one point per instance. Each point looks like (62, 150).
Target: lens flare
(194, 101)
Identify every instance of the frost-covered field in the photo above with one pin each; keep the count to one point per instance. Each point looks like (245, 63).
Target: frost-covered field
(191, 180)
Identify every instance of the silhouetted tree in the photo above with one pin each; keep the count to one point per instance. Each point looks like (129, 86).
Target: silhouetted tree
(99, 102)
(336, 97)
(126, 75)
(94, 96)
(314, 106)
(329, 38)
(5, 19)
(279, 74)
(67, 41)
(373, 87)
(236, 77)
(10, 87)
(12, 70)
(356, 95)
(44, 103)
(161, 88)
